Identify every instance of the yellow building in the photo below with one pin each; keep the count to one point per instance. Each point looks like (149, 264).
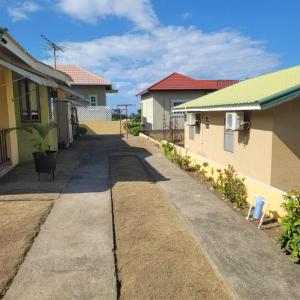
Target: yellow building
(28, 95)
(254, 126)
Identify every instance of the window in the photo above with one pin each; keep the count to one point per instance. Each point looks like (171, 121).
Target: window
(93, 100)
(175, 103)
(228, 139)
(198, 124)
(191, 132)
(206, 122)
(29, 101)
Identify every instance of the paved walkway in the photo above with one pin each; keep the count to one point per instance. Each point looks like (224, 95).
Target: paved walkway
(250, 262)
(72, 256)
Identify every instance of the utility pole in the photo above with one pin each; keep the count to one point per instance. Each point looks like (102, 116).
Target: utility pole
(125, 107)
(54, 48)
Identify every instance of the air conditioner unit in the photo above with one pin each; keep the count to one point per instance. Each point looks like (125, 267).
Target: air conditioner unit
(191, 119)
(234, 121)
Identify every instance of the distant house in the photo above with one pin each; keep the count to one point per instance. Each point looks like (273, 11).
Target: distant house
(158, 99)
(253, 125)
(88, 84)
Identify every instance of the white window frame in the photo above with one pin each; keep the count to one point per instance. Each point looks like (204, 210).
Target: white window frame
(96, 100)
(178, 102)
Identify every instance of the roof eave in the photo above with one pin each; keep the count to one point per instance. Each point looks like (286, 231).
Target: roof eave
(233, 107)
(37, 65)
(280, 98)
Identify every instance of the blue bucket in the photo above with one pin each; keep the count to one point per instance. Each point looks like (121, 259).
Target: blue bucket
(259, 204)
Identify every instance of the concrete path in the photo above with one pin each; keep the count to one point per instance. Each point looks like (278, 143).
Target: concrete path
(249, 261)
(72, 257)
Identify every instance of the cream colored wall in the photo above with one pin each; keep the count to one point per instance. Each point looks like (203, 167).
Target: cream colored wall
(251, 156)
(92, 90)
(158, 105)
(269, 157)
(7, 113)
(286, 146)
(163, 101)
(103, 127)
(147, 111)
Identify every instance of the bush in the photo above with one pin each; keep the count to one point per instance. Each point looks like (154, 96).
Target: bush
(168, 148)
(135, 130)
(134, 123)
(290, 238)
(201, 170)
(227, 183)
(234, 188)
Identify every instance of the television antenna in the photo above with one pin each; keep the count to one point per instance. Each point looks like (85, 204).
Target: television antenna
(54, 48)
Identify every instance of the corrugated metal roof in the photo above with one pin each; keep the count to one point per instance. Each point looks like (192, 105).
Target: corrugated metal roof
(177, 81)
(258, 90)
(81, 76)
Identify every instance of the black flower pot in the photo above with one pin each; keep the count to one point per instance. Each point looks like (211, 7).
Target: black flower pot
(45, 162)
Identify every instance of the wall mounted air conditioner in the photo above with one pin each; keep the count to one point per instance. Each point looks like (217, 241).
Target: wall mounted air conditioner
(191, 119)
(234, 121)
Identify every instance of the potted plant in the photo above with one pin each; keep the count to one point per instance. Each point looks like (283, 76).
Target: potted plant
(44, 157)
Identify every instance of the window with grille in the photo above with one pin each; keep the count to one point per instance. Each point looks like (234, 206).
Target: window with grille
(175, 103)
(229, 140)
(206, 122)
(29, 101)
(93, 100)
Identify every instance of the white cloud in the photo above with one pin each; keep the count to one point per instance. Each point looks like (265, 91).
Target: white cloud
(21, 11)
(140, 12)
(186, 15)
(142, 58)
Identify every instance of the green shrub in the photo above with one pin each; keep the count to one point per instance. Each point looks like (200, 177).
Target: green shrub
(290, 238)
(202, 170)
(168, 148)
(135, 130)
(232, 187)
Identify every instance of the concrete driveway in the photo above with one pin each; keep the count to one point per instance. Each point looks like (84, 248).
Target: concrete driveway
(72, 257)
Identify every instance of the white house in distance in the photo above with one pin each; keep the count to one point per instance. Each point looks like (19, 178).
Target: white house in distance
(158, 99)
(88, 84)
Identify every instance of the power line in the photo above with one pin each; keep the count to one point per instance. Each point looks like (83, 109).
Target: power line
(54, 47)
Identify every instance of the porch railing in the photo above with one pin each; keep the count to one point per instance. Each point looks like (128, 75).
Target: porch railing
(3, 147)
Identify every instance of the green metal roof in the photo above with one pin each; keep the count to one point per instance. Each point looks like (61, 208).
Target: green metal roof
(265, 90)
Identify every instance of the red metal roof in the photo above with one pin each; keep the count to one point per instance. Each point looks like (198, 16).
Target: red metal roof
(81, 76)
(177, 81)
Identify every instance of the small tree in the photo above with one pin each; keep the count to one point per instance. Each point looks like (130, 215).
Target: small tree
(290, 238)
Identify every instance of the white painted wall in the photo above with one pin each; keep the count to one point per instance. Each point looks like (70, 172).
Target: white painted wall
(157, 105)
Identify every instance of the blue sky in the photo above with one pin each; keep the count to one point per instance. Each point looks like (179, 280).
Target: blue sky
(136, 42)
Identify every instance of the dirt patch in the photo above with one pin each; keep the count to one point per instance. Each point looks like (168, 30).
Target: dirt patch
(19, 224)
(157, 255)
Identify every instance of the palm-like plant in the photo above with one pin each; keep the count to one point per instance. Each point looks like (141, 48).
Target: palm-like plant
(42, 131)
